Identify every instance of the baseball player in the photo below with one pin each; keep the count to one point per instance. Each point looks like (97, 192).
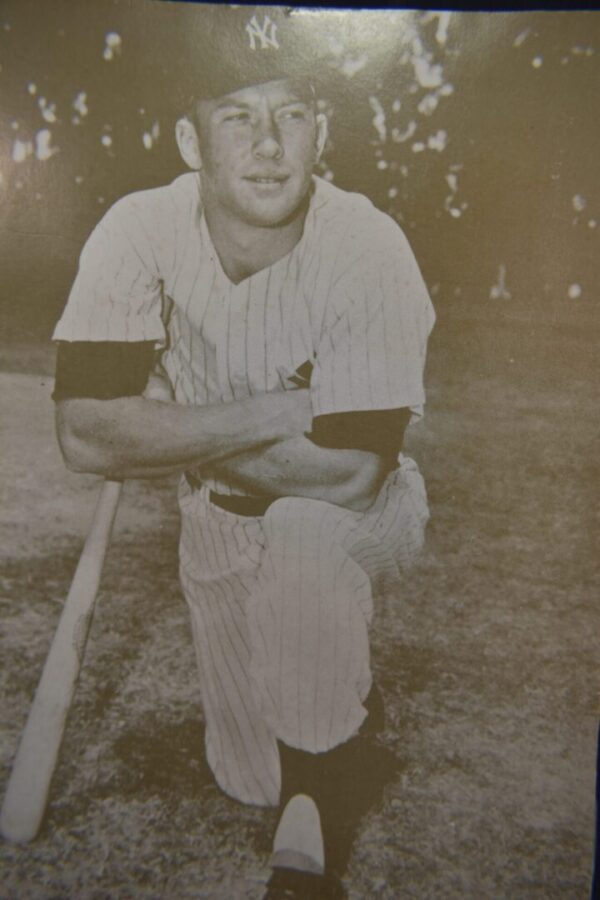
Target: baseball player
(291, 322)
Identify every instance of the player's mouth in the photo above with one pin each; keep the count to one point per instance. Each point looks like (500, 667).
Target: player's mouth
(267, 179)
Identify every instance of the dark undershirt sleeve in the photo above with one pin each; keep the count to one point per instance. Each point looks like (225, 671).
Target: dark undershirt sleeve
(378, 431)
(103, 370)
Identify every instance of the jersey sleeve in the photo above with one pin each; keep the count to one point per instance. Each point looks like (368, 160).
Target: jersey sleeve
(117, 293)
(379, 431)
(371, 353)
(102, 370)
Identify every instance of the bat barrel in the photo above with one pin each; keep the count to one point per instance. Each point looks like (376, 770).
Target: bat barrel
(29, 784)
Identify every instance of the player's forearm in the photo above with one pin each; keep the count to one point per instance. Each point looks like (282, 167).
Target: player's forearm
(299, 468)
(135, 437)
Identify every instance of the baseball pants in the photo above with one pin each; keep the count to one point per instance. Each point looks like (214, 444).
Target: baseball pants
(280, 609)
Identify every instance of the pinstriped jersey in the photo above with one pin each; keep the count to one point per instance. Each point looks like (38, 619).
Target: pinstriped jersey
(349, 298)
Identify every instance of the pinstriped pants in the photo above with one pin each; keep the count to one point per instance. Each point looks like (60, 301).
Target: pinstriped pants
(280, 609)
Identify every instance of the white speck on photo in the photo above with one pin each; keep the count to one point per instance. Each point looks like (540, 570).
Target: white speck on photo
(399, 136)
(43, 150)
(80, 103)
(428, 104)
(438, 140)
(499, 291)
(521, 37)
(428, 75)
(48, 110)
(378, 118)
(21, 150)
(112, 46)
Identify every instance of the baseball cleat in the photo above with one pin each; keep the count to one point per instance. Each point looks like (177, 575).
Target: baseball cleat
(298, 858)
(290, 884)
(298, 841)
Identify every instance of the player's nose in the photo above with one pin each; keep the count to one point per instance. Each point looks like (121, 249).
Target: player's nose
(267, 140)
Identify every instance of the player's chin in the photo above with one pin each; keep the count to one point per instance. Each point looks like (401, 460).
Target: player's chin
(272, 205)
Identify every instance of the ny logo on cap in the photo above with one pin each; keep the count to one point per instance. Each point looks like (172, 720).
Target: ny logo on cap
(266, 34)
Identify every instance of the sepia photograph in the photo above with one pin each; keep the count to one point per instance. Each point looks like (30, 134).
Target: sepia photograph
(298, 355)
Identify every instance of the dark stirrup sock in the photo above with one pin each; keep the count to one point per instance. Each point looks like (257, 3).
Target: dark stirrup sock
(302, 770)
(339, 783)
(334, 779)
(330, 779)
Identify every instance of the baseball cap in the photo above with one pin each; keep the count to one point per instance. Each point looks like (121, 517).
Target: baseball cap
(232, 47)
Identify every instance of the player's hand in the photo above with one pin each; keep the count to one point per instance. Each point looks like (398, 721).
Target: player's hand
(158, 386)
(294, 409)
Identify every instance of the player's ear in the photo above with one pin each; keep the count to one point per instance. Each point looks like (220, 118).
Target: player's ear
(187, 141)
(321, 137)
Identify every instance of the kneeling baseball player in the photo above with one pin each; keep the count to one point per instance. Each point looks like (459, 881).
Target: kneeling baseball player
(292, 321)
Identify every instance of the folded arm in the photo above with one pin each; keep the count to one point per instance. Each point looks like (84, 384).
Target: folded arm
(299, 468)
(136, 437)
(257, 444)
(105, 427)
(344, 461)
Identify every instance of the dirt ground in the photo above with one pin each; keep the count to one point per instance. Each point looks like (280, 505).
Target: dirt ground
(486, 659)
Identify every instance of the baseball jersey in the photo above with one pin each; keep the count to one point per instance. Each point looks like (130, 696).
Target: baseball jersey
(281, 604)
(349, 299)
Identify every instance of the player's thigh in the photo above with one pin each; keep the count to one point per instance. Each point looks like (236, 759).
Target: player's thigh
(216, 545)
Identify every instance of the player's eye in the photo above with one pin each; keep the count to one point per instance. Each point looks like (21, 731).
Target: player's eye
(240, 115)
(292, 113)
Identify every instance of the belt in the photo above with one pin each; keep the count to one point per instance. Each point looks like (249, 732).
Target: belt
(234, 503)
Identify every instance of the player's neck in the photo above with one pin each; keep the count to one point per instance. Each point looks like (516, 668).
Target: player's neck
(245, 249)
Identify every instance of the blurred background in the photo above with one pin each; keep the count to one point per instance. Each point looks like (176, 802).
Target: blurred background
(478, 132)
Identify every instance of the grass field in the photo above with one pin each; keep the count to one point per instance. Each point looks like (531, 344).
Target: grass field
(488, 660)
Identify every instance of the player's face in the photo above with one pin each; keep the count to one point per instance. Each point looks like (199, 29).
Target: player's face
(258, 147)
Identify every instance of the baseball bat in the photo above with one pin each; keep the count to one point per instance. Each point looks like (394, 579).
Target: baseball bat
(29, 784)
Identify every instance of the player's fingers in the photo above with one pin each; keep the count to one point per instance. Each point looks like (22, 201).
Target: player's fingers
(303, 410)
(158, 388)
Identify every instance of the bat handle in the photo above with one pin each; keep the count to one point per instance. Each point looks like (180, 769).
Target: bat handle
(29, 784)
